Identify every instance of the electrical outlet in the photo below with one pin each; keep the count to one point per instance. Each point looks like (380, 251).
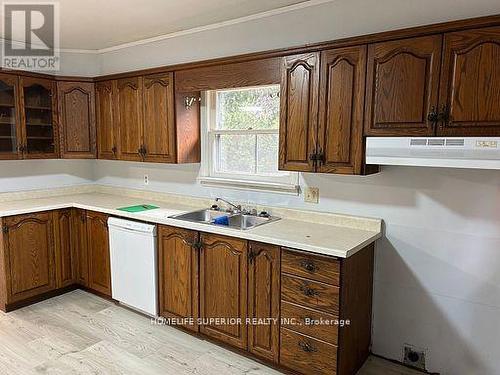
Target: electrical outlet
(311, 195)
(146, 179)
(414, 357)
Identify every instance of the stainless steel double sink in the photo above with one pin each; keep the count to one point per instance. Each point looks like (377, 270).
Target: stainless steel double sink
(238, 220)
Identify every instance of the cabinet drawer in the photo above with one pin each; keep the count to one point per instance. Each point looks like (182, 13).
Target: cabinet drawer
(310, 293)
(307, 355)
(309, 322)
(315, 267)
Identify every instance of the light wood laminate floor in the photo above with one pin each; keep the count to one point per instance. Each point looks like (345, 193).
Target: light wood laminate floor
(79, 333)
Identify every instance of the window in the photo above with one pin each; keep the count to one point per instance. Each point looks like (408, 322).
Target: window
(242, 137)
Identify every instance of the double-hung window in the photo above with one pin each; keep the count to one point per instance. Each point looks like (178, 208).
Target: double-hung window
(242, 139)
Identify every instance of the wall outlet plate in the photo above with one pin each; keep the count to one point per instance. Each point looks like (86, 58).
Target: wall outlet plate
(311, 195)
(414, 357)
(146, 179)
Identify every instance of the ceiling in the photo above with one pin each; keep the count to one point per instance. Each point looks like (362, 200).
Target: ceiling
(98, 24)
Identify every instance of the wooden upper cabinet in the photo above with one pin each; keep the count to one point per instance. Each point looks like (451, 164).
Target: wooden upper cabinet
(98, 253)
(178, 274)
(340, 131)
(107, 131)
(264, 299)
(38, 118)
(11, 136)
(187, 128)
(402, 86)
(298, 112)
(470, 83)
(29, 246)
(159, 121)
(77, 120)
(65, 257)
(223, 287)
(129, 118)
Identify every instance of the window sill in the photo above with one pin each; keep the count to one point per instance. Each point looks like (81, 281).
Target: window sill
(270, 187)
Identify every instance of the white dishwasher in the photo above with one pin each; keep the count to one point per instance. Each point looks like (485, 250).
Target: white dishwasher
(134, 264)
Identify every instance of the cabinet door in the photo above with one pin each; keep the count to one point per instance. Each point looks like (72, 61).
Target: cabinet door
(38, 102)
(77, 120)
(402, 86)
(264, 300)
(65, 256)
(10, 126)
(298, 112)
(178, 274)
(79, 245)
(129, 118)
(29, 243)
(159, 123)
(98, 253)
(107, 132)
(223, 289)
(470, 83)
(340, 133)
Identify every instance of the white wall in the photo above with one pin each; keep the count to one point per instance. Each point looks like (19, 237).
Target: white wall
(17, 175)
(79, 64)
(328, 21)
(437, 277)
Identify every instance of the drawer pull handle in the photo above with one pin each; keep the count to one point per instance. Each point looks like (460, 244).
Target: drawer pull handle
(309, 266)
(306, 347)
(309, 292)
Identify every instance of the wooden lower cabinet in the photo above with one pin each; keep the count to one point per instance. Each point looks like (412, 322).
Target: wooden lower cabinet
(264, 300)
(317, 308)
(98, 253)
(223, 289)
(46, 253)
(79, 243)
(65, 256)
(306, 354)
(178, 262)
(313, 339)
(28, 254)
(282, 306)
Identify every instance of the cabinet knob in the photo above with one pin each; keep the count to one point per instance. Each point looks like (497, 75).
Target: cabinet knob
(309, 265)
(320, 157)
(197, 245)
(444, 116)
(433, 115)
(306, 347)
(309, 292)
(5, 229)
(114, 149)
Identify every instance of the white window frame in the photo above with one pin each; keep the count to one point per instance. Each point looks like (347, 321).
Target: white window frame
(287, 183)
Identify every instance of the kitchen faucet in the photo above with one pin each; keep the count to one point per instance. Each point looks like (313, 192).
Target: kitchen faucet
(236, 208)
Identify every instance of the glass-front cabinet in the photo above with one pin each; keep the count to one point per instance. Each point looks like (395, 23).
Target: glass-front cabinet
(10, 129)
(38, 118)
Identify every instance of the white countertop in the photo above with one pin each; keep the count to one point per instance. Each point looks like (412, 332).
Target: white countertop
(318, 237)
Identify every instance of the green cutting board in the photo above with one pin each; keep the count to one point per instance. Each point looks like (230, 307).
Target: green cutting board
(138, 208)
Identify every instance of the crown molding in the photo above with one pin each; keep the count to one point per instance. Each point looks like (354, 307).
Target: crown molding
(194, 30)
(218, 25)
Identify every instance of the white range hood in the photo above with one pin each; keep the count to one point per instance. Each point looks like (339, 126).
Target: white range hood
(450, 152)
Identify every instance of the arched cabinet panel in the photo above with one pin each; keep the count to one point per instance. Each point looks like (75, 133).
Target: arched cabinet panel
(402, 86)
(298, 112)
(77, 119)
(470, 83)
(340, 133)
